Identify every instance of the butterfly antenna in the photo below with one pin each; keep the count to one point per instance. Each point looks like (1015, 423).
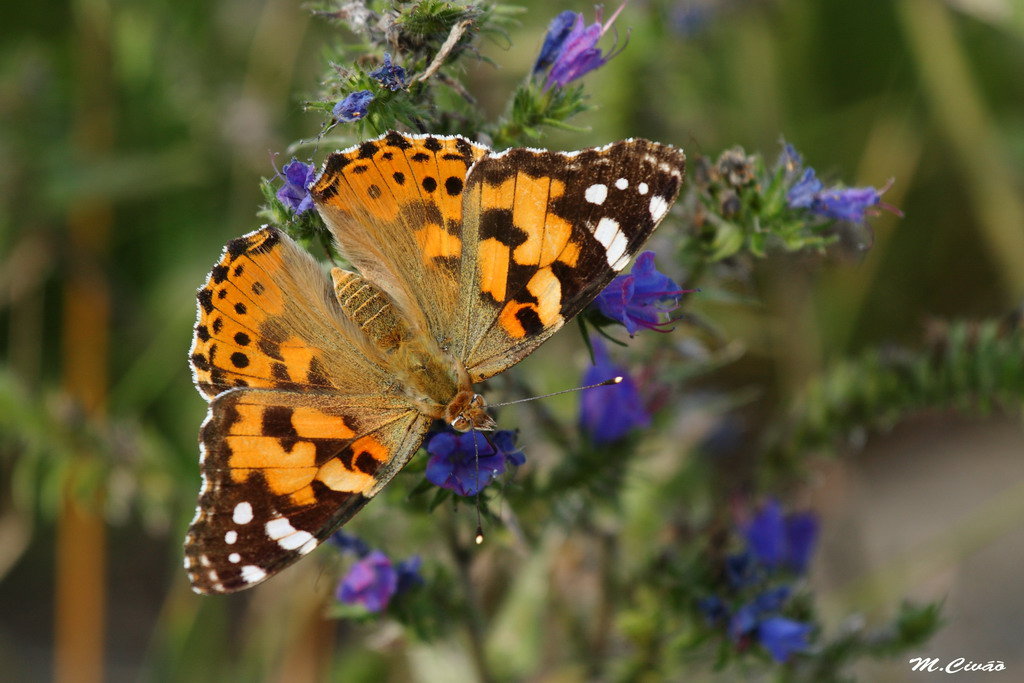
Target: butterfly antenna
(607, 382)
(479, 526)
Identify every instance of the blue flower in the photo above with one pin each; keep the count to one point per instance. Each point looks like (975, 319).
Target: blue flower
(390, 75)
(640, 298)
(374, 580)
(578, 55)
(776, 541)
(783, 637)
(353, 107)
(371, 582)
(558, 31)
(294, 194)
(851, 204)
(466, 463)
(609, 413)
(741, 570)
(713, 608)
(347, 543)
(759, 618)
(409, 574)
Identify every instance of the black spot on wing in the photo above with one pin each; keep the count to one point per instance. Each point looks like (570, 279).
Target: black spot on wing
(365, 462)
(329, 191)
(336, 163)
(497, 223)
(367, 150)
(277, 423)
(530, 321)
(396, 139)
(205, 298)
(453, 186)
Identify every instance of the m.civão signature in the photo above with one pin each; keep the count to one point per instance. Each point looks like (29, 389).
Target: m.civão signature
(933, 664)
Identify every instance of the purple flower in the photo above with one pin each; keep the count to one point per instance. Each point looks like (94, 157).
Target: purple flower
(850, 204)
(741, 570)
(638, 299)
(371, 582)
(846, 204)
(578, 55)
(713, 608)
(782, 637)
(409, 574)
(466, 463)
(390, 75)
(353, 107)
(609, 413)
(297, 177)
(777, 541)
(347, 543)
(779, 635)
(558, 31)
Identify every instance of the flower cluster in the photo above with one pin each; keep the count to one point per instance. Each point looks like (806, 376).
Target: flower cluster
(374, 580)
(756, 594)
(739, 201)
(570, 48)
(852, 204)
(640, 298)
(466, 463)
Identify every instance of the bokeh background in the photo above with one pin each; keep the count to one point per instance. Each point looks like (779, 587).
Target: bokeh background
(132, 140)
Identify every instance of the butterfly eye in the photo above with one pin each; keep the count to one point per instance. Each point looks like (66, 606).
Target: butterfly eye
(460, 423)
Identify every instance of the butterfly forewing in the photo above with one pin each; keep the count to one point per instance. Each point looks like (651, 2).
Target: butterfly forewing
(267, 318)
(545, 232)
(394, 205)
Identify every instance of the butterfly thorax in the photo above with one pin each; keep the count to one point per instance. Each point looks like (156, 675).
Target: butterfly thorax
(435, 383)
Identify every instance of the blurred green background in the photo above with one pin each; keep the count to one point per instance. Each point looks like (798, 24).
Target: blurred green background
(132, 139)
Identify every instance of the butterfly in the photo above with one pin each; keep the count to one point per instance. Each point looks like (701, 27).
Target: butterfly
(321, 389)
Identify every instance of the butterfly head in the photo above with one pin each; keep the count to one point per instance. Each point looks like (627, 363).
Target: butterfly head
(468, 411)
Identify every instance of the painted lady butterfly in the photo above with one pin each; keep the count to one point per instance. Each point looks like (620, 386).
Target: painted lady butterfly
(468, 260)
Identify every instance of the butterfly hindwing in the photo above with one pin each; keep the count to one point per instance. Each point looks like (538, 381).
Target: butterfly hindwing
(545, 232)
(281, 471)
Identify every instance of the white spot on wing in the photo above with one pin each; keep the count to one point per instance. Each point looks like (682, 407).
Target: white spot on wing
(296, 540)
(242, 513)
(252, 574)
(279, 528)
(617, 250)
(642, 188)
(612, 239)
(287, 536)
(234, 558)
(621, 263)
(307, 546)
(230, 537)
(622, 183)
(606, 230)
(659, 207)
(596, 194)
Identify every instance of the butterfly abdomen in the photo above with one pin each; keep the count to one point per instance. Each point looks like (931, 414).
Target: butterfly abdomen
(423, 369)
